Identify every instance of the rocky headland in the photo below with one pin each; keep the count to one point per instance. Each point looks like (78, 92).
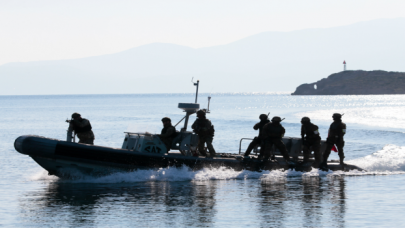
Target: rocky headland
(356, 82)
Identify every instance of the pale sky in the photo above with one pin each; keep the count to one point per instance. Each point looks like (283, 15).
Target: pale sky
(51, 30)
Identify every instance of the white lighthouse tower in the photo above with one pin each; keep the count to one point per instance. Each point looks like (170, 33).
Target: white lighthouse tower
(344, 65)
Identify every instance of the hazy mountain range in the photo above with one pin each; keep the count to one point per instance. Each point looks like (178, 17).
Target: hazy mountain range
(266, 62)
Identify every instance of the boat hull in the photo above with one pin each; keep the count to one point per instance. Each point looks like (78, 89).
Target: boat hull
(60, 158)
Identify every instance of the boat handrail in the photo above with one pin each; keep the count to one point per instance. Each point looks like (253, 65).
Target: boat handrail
(240, 143)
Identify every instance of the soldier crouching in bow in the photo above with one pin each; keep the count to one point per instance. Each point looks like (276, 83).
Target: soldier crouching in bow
(82, 128)
(205, 130)
(274, 133)
(168, 133)
(335, 137)
(259, 140)
(310, 138)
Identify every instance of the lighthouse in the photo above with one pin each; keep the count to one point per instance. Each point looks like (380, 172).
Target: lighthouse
(344, 65)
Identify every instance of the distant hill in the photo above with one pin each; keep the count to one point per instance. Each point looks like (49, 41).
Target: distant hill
(356, 83)
(270, 61)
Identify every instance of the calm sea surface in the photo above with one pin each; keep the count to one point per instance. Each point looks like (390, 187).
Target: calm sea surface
(375, 141)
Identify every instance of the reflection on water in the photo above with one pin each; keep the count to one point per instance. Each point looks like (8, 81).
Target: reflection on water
(308, 202)
(150, 204)
(287, 202)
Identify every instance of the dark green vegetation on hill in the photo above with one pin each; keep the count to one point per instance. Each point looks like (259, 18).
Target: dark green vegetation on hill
(356, 83)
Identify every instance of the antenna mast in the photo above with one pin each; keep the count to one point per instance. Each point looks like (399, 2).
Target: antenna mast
(196, 92)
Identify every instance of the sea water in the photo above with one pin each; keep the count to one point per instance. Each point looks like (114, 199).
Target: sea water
(178, 197)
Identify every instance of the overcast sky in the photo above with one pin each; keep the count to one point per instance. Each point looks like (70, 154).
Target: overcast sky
(49, 29)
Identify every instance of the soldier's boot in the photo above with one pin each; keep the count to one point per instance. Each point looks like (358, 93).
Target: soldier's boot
(284, 152)
(306, 153)
(202, 152)
(261, 154)
(263, 163)
(211, 150)
(324, 165)
(341, 158)
(249, 149)
(289, 161)
(201, 149)
(318, 160)
(265, 154)
(316, 163)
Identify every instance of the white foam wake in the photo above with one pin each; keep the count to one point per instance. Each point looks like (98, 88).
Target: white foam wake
(389, 160)
(185, 174)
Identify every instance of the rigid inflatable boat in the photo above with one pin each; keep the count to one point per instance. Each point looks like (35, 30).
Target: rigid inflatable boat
(147, 151)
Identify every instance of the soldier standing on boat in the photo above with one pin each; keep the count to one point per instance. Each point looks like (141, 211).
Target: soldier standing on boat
(310, 139)
(335, 137)
(205, 130)
(274, 132)
(259, 140)
(168, 133)
(82, 128)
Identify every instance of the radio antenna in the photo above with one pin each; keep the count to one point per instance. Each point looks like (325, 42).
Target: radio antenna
(196, 92)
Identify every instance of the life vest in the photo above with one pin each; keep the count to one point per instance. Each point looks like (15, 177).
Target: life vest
(164, 130)
(259, 126)
(83, 129)
(336, 130)
(274, 131)
(202, 123)
(311, 131)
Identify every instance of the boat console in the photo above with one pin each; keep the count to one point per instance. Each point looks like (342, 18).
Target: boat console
(185, 141)
(143, 142)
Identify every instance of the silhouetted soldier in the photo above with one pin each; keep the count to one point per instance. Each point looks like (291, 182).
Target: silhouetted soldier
(310, 139)
(168, 133)
(259, 140)
(205, 130)
(335, 137)
(274, 132)
(82, 128)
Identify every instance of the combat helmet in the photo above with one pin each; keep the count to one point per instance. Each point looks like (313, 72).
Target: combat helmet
(276, 119)
(201, 112)
(337, 116)
(164, 119)
(263, 117)
(305, 119)
(75, 115)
